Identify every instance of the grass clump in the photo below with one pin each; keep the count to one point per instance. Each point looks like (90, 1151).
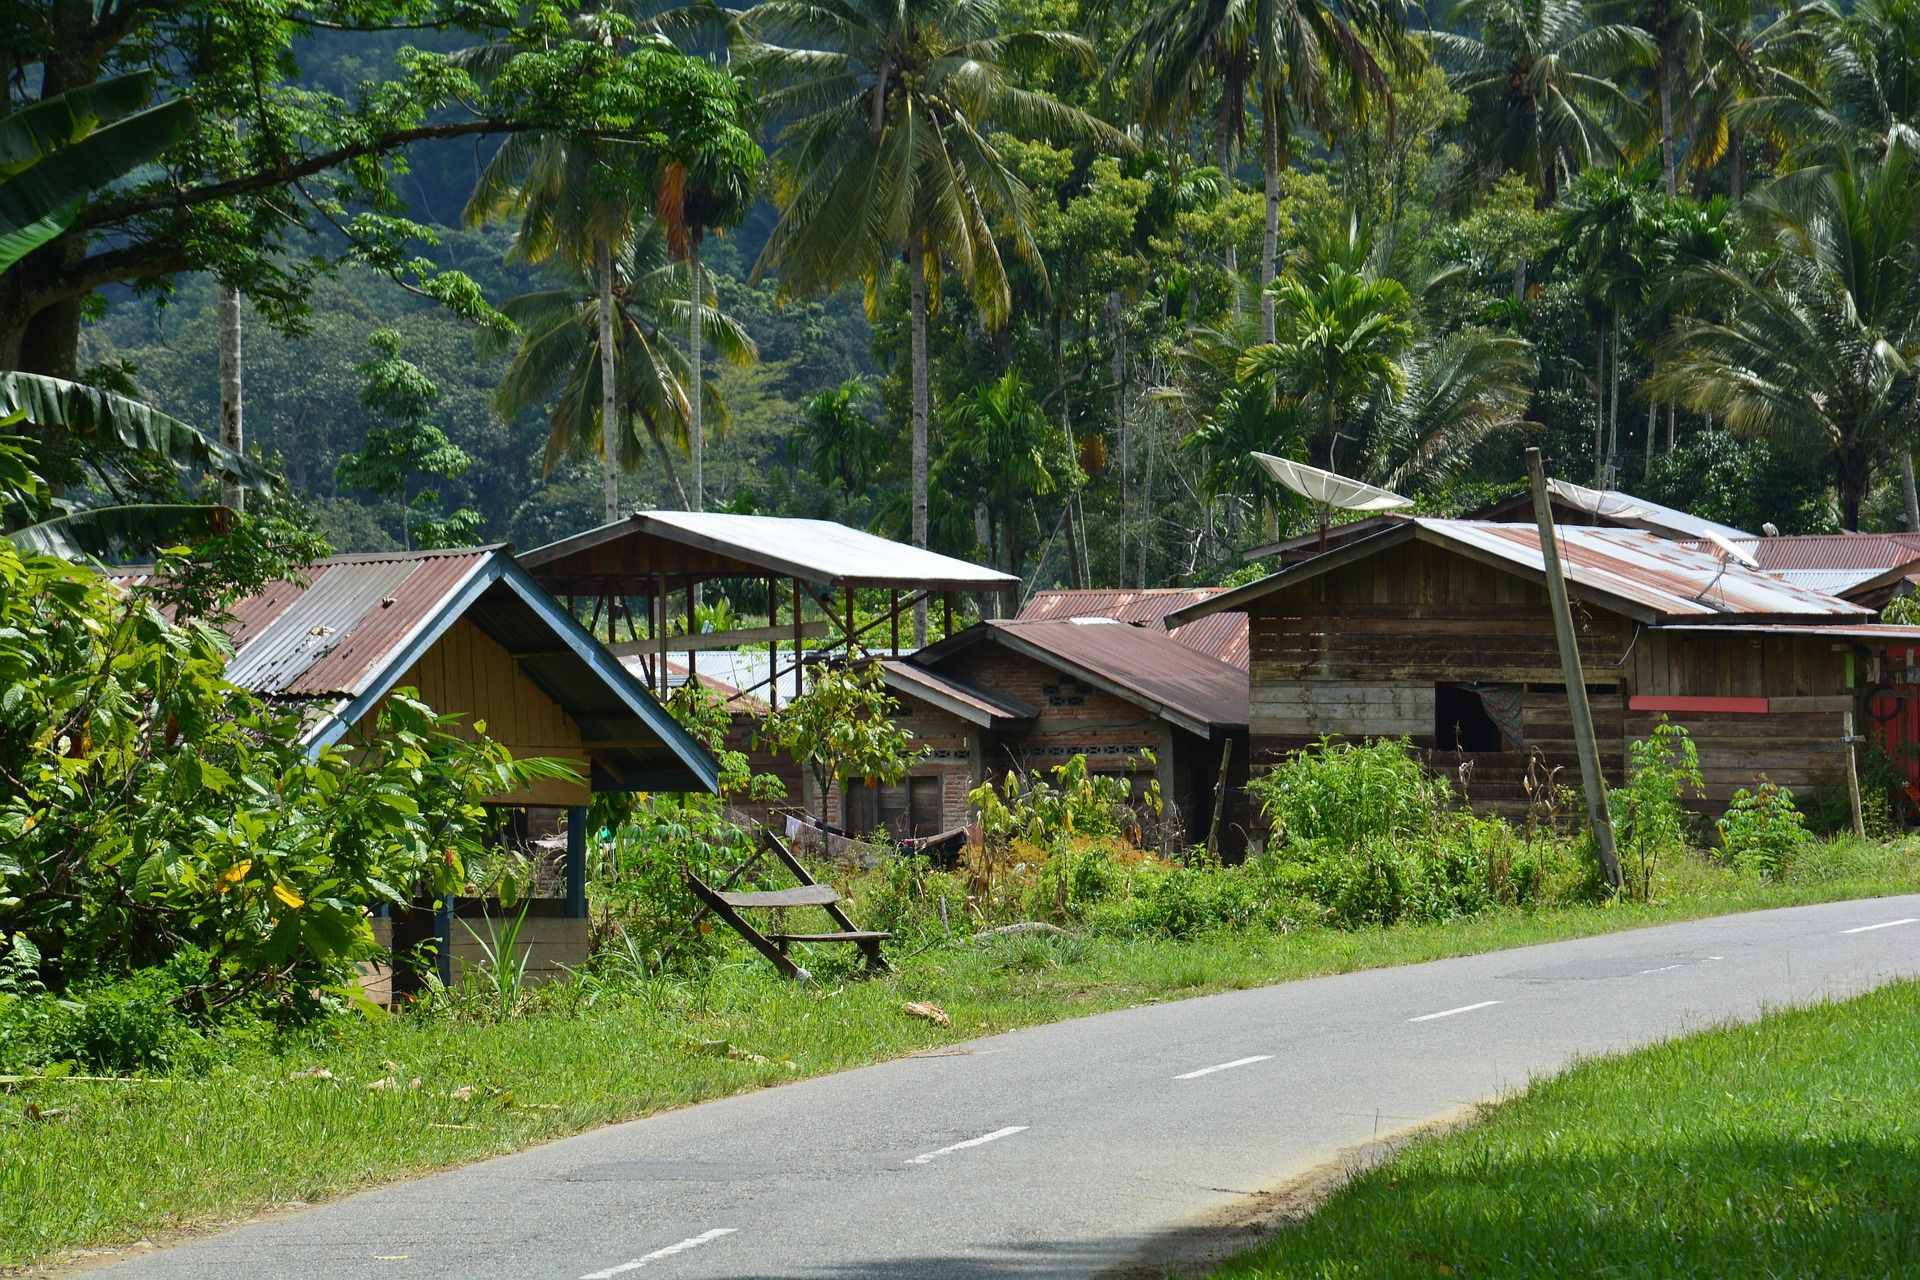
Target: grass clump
(1787, 1147)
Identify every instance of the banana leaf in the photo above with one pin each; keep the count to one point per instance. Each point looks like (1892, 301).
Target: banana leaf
(109, 421)
(108, 533)
(37, 204)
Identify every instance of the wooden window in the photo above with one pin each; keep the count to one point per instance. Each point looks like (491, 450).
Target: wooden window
(925, 800)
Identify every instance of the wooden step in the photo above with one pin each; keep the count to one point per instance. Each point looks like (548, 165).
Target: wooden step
(806, 895)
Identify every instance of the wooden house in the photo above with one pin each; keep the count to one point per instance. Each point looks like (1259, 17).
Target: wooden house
(1030, 695)
(479, 639)
(1439, 631)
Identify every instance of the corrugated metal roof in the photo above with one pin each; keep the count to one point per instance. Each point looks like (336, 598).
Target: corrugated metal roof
(1833, 551)
(1833, 582)
(1625, 509)
(1222, 636)
(969, 701)
(1140, 663)
(1669, 579)
(1869, 632)
(814, 550)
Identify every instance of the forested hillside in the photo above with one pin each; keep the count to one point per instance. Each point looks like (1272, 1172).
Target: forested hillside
(1670, 244)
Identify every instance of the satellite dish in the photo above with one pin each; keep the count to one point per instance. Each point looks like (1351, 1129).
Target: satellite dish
(1330, 489)
(1731, 551)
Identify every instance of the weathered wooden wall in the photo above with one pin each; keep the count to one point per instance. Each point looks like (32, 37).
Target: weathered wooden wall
(1359, 651)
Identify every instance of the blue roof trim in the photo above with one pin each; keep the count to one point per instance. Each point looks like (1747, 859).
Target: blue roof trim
(402, 659)
(622, 681)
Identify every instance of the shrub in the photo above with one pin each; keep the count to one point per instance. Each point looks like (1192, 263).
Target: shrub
(133, 1023)
(1762, 830)
(1346, 795)
(1648, 813)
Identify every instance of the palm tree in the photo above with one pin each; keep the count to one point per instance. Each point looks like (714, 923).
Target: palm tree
(1608, 238)
(1541, 77)
(1296, 55)
(844, 444)
(1345, 330)
(885, 151)
(560, 354)
(1819, 348)
(1749, 53)
(1454, 392)
(1002, 448)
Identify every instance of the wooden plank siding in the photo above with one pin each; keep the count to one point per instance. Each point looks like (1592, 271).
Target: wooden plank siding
(1359, 651)
(468, 674)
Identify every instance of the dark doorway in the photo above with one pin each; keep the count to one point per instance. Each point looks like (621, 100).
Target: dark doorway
(1461, 722)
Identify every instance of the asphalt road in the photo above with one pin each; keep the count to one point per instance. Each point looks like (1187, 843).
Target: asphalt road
(1070, 1149)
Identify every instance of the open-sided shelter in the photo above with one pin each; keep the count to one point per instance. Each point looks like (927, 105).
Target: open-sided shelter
(1439, 631)
(1029, 695)
(479, 639)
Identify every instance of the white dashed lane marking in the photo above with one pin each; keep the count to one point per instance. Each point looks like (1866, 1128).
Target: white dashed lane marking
(1884, 924)
(981, 1141)
(1448, 1013)
(691, 1242)
(1226, 1066)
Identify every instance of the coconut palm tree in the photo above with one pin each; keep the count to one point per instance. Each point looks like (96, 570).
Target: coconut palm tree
(1343, 331)
(1296, 56)
(1749, 52)
(1818, 349)
(1541, 78)
(885, 151)
(1867, 94)
(844, 444)
(559, 354)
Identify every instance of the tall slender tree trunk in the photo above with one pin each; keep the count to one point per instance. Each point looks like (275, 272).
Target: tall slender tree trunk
(1600, 406)
(987, 601)
(1907, 491)
(1270, 162)
(696, 355)
(1233, 250)
(917, 278)
(1667, 164)
(1613, 398)
(1737, 180)
(1653, 429)
(1673, 412)
(1120, 422)
(610, 424)
(666, 463)
(1146, 509)
(233, 434)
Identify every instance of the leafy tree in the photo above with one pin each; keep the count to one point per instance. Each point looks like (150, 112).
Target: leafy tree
(844, 726)
(151, 806)
(1818, 348)
(241, 202)
(558, 356)
(1541, 78)
(394, 456)
(884, 152)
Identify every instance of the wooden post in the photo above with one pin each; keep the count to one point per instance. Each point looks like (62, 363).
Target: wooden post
(946, 606)
(1583, 737)
(1853, 778)
(773, 645)
(1219, 799)
(893, 610)
(659, 619)
(799, 654)
(847, 594)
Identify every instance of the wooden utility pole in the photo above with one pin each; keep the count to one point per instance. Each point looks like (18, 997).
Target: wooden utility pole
(1591, 780)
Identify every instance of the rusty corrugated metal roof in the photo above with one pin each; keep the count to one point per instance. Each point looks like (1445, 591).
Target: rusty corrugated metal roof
(1670, 579)
(963, 699)
(1866, 632)
(1140, 663)
(1222, 636)
(1833, 551)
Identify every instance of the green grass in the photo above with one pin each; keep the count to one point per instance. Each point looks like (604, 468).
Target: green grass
(106, 1163)
(1786, 1147)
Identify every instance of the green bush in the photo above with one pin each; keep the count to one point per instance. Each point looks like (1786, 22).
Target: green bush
(135, 1023)
(1649, 813)
(1762, 830)
(1344, 794)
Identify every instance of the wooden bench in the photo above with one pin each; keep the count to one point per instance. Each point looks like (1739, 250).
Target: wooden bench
(808, 893)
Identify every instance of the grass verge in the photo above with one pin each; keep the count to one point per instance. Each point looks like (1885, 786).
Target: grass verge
(1786, 1147)
(338, 1108)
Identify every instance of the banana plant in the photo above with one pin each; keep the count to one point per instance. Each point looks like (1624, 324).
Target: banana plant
(56, 153)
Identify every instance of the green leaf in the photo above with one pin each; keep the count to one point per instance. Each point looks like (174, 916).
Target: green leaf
(73, 173)
(103, 419)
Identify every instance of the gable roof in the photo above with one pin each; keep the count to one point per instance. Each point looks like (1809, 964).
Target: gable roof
(970, 702)
(721, 544)
(342, 641)
(1628, 571)
(1138, 664)
(1222, 636)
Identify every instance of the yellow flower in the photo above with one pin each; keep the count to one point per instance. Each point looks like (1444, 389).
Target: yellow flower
(293, 900)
